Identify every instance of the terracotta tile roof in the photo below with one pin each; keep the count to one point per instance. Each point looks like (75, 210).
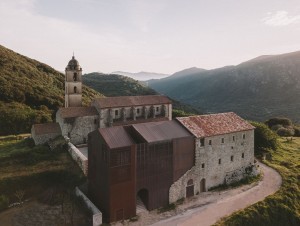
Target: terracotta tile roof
(126, 101)
(47, 128)
(72, 112)
(161, 131)
(116, 137)
(214, 124)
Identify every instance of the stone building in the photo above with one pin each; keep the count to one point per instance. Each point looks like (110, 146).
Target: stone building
(224, 153)
(77, 121)
(73, 84)
(125, 110)
(45, 132)
(162, 162)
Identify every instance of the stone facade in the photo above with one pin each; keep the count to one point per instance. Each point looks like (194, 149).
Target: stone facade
(133, 114)
(42, 133)
(73, 84)
(77, 128)
(218, 160)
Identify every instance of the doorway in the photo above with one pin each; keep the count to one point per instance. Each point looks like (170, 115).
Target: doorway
(202, 185)
(142, 200)
(190, 188)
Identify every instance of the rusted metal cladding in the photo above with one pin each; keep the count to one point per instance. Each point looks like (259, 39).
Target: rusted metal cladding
(155, 172)
(112, 175)
(98, 176)
(122, 183)
(183, 155)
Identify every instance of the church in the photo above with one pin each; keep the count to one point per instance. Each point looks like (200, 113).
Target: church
(76, 121)
(138, 154)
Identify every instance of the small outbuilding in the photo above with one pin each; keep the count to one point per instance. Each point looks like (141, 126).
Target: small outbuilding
(42, 133)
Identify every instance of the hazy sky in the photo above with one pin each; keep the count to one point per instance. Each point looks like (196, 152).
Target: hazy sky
(149, 35)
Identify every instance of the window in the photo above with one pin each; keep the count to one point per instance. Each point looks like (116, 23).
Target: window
(157, 109)
(95, 121)
(202, 142)
(244, 136)
(69, 135)
(138, 111)
(209, 142)
(75, 77)
(231, 147)
(202, 165)
(243, 155)
(219, 161)
(116, 112)
(222, 141)
(233, 138)
(75, 89)
(231, 158)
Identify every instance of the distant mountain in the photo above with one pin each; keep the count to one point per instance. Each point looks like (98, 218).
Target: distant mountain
(258, 89)
(141, 76)
(30, 92)
(188, 71)
(118, 85)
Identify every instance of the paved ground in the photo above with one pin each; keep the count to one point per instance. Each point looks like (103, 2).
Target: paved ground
(227, 202)
(83, 150)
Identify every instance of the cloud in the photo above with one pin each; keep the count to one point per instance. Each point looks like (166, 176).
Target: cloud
(280, 18)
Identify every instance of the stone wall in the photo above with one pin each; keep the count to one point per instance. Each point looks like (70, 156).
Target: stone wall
(97, 215)
(81, 160)
(77, 129)
(217, 162)
(237, 175)
(43, 138)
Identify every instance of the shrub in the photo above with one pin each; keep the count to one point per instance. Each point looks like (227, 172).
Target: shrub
(296, 131)
(276, 127)
(285, 122)
(264, 138)
(4, 202)
(285, 132)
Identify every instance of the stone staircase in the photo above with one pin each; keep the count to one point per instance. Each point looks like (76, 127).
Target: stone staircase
(140, 206)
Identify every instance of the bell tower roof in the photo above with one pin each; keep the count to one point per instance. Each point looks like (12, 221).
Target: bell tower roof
(73, 64)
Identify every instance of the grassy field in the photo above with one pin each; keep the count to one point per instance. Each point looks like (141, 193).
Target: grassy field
(35, 169)
(282, 208)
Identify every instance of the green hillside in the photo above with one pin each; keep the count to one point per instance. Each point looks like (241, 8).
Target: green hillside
(116, 85)
(119, 85)
(262, 88)
(30, 92)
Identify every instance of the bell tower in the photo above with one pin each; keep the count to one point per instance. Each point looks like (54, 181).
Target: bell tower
(73, 84)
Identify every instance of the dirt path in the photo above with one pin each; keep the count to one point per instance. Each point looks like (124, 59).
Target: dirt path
(227, 202)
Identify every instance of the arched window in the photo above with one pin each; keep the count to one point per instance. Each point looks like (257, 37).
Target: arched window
(190, 182)
(75, 77)
(75, 89)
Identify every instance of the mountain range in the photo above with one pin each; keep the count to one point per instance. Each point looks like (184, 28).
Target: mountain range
(118, 85)
(141, 76)
(264, 87)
